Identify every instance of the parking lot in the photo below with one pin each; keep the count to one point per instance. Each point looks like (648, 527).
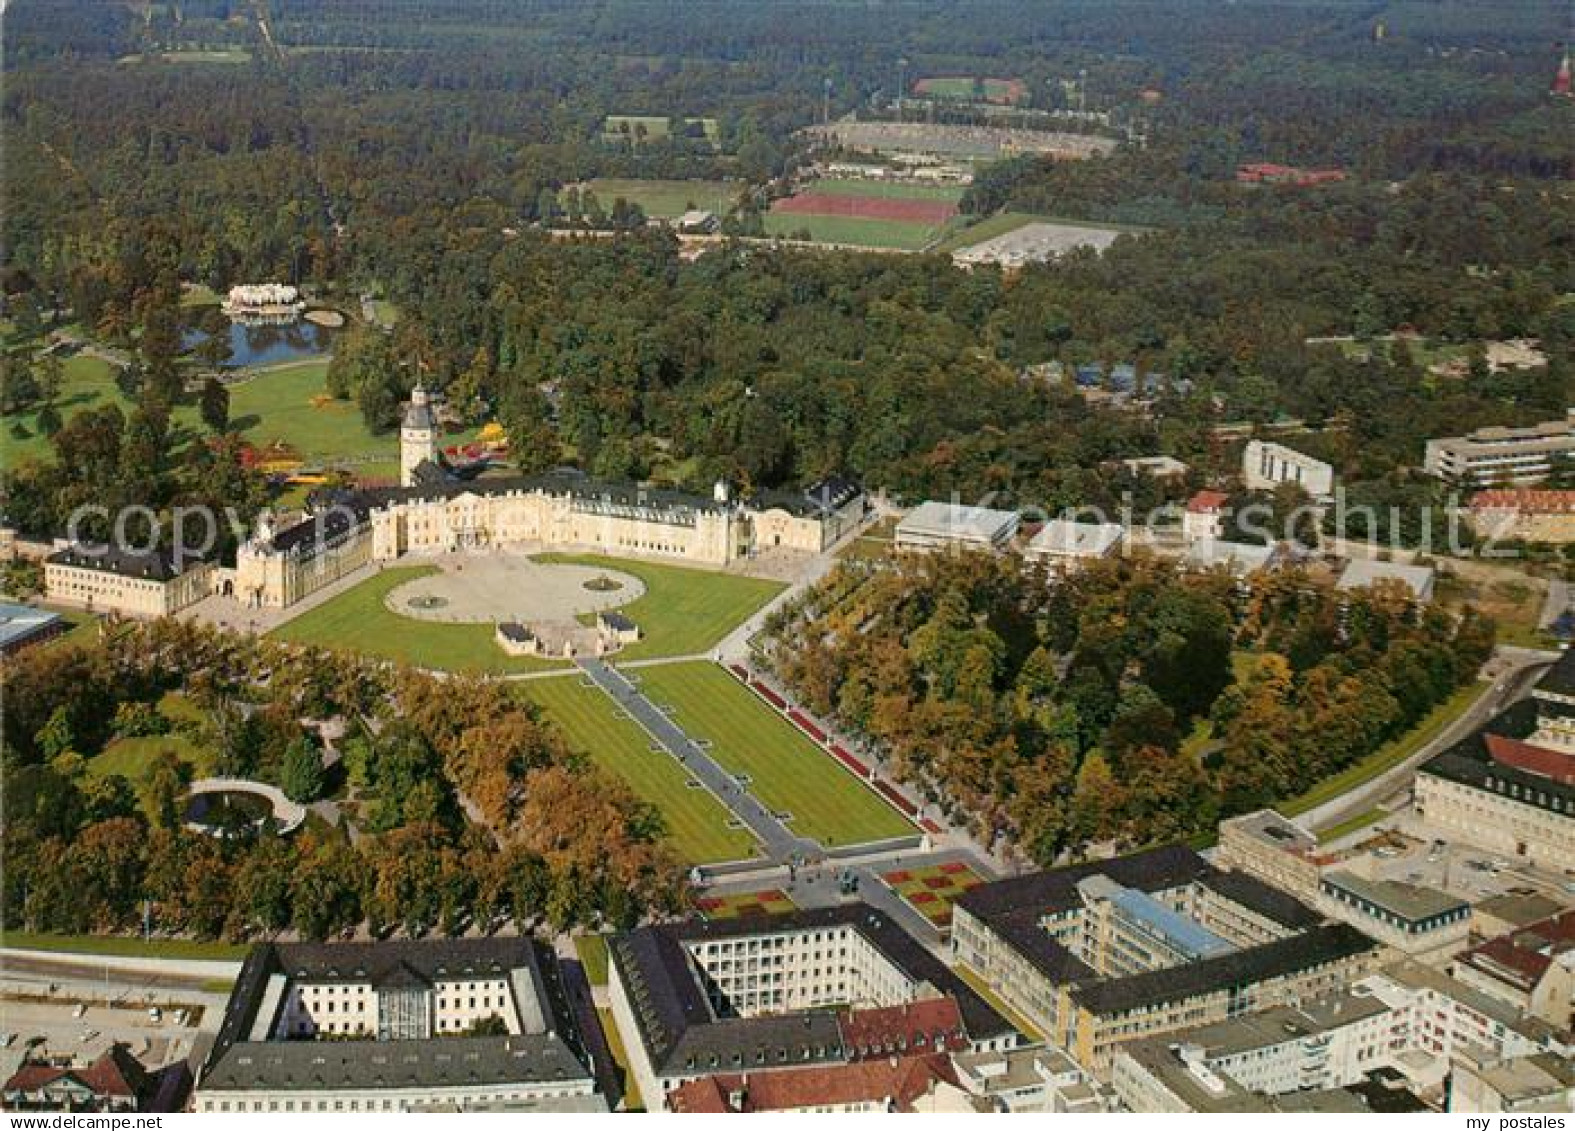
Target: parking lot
(1407, 851)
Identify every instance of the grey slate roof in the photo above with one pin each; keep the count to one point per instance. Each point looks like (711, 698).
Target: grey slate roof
(155, 565)
(552, 1051)
(1467, 762)
(1319, 946)
(682, 1033)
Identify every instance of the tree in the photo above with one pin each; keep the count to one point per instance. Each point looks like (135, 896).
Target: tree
(214, 404)
(301, 772)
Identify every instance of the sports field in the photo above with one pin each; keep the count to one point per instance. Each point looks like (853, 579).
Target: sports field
(696, 821)
(787, 772)
(966, 88)
(881, 214)
(933, 889)
(684, 612)
(357, 620)
(666, 199)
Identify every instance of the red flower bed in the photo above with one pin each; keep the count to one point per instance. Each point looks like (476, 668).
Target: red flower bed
(806, 726)
(897, 799)
(954, 866)
(740, 671)
(867, 207)
(921, 897)
(769, 696)
(851, 762)
(930, 826)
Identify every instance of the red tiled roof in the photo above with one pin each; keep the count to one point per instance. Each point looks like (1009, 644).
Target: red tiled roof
(901, 1080)
(1522, 957)
(1526, 501)
(1556, 764)
(1207, 502)
(115, 1073)
(920, 1026)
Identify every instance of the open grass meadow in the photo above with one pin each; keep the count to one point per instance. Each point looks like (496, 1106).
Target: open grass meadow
(666, 199)
(696, 821)
(287, 402)
(787, 771)
(130, 757)
(684, 612)
(358, 620)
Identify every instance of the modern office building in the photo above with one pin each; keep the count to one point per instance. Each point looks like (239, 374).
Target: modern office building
(951, 526)
(1518, 457)
(1266, 465)
(1102, 953)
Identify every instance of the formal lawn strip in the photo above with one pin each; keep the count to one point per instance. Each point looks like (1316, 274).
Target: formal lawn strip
(697, 823)
(788, 773)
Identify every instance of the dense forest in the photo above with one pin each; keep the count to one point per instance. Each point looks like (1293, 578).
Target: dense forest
(349, 149)
(1129, 703)
(473, 812)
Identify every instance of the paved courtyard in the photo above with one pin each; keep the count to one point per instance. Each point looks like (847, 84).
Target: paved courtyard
(486, 587)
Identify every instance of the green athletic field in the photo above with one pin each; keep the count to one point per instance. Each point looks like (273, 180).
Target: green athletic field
(852, 231)
(788, 771)
(696, 821)
(684, 612)
(358, 620)
(666, 199)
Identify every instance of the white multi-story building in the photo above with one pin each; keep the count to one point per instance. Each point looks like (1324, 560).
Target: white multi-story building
(1502, 456)
(1266, 465)
(397, 1026)
(695, 1000)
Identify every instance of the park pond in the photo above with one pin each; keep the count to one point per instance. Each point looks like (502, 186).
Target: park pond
(269, 345)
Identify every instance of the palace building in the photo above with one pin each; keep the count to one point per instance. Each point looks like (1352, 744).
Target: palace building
(434, 511)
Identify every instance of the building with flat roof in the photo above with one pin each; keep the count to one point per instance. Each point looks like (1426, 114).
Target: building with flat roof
(1063, 546)
(23, 625)
(393, 1026)
(1266, 465)
(1412, 919)
(1399, 1030)
(1097, 954)
(1280, 853)
(939, 526)
(1241, 559)
(1361, 573)
(1532, 1084)
(1498, 456)
(1035, 1078)
(1509, 787)
(765, 994)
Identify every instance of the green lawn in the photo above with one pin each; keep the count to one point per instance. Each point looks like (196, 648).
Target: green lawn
(684, 612)
(1351, 825)
(358, 620)
(276, 404)
(851, 230)
(963, 88)
(657, 127)
(631, 1089)
(666, 199)
(1390, 754)
(116, 945)
(592, 950)
(696, 821)
(789, 772)
(130, 757)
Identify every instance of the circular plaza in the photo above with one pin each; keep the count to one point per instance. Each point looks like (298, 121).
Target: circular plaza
(485, 588)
